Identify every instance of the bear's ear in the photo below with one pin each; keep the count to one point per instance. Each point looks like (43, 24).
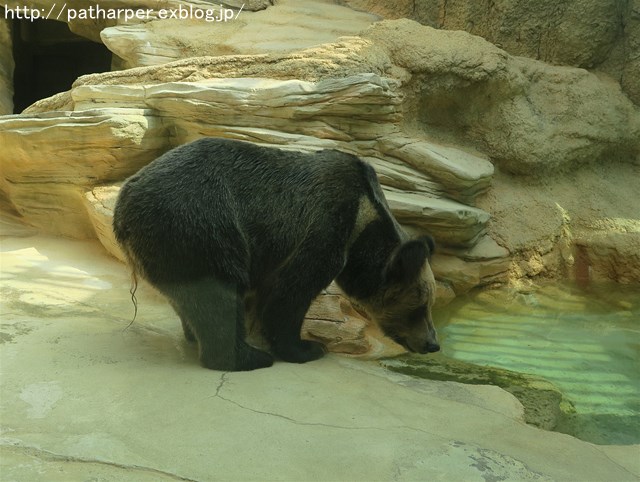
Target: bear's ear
(407, 262)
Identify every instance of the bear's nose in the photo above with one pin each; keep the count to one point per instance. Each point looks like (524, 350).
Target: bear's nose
(432, 348)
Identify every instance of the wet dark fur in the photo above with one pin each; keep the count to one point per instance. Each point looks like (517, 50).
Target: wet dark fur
(211, 221)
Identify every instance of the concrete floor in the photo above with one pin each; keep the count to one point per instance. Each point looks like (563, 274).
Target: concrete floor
(84, 399)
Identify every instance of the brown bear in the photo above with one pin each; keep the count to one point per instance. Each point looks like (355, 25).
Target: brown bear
(217, 225)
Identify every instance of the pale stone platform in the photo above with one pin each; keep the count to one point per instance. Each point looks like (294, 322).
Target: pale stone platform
(84, 399)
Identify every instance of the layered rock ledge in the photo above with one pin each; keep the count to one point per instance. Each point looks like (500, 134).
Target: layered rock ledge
(450, 122)
(359, 114)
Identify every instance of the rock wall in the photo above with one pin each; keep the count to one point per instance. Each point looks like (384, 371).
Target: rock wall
(6, 69)
(429, 186)
(592, 34)
(6, 105)
(420, 104)
(308, 23)
(519, 168)
(532, 118)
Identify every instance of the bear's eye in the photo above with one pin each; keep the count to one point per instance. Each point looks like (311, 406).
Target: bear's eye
(418, 315)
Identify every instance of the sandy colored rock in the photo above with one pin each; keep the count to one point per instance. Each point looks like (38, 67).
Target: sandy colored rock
(594, 211)
(444, 294)
(332, 321)
(308, 23)
(352, 113)
(109, 144)
(399, 176)
(431, 109)
(450, 222)
(592, 34)
(485, 248)
(46, 186)
(625, 66)
(609, 255)
(578, 119)
(66, 353)
(99, 204)
(580, 34)
(542, 118)
(342, 109)
(530, 117)
(455, 272)
(6, 69)
(463, 175)
(462, 275)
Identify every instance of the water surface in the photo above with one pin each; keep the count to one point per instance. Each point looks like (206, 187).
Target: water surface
(587, 342)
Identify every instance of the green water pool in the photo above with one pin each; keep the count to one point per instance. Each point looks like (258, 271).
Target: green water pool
(585, 341)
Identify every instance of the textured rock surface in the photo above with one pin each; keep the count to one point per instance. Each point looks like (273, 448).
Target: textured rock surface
(452, 223)
(582, 226)
(609, 253)
(530, 117)
(624, 62)
(82, 397)
(83, 148)
(332, 320)
(544, 404)
(307, 23)
(430, 109)
(592, 34)
(462, 175)
(464, 275)
(6, 69)
(357, 113)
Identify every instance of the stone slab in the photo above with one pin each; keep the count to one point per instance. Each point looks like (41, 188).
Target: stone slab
(463, 175)
(82, 397)
(450, 222)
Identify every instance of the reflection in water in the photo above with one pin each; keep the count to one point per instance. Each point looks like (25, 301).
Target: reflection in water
(587, 342)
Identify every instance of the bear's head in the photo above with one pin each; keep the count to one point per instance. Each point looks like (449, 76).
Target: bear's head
(402, 307)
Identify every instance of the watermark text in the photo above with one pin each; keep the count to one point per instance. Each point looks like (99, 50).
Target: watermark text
(65, 13)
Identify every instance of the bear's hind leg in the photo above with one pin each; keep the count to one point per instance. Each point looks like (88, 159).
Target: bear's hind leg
(213, 313)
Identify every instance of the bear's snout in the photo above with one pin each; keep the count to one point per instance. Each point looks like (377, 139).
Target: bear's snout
(427, 347)
(415, 346)
(430, 348)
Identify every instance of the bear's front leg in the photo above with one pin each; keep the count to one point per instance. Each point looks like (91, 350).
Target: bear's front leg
(285, 297)
(213, 312)
(282, 318)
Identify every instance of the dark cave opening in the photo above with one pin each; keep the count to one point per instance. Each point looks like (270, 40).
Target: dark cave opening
(49, 58)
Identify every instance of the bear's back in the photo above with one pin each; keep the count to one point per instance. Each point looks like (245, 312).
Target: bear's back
(248, 168)
(216, 196)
